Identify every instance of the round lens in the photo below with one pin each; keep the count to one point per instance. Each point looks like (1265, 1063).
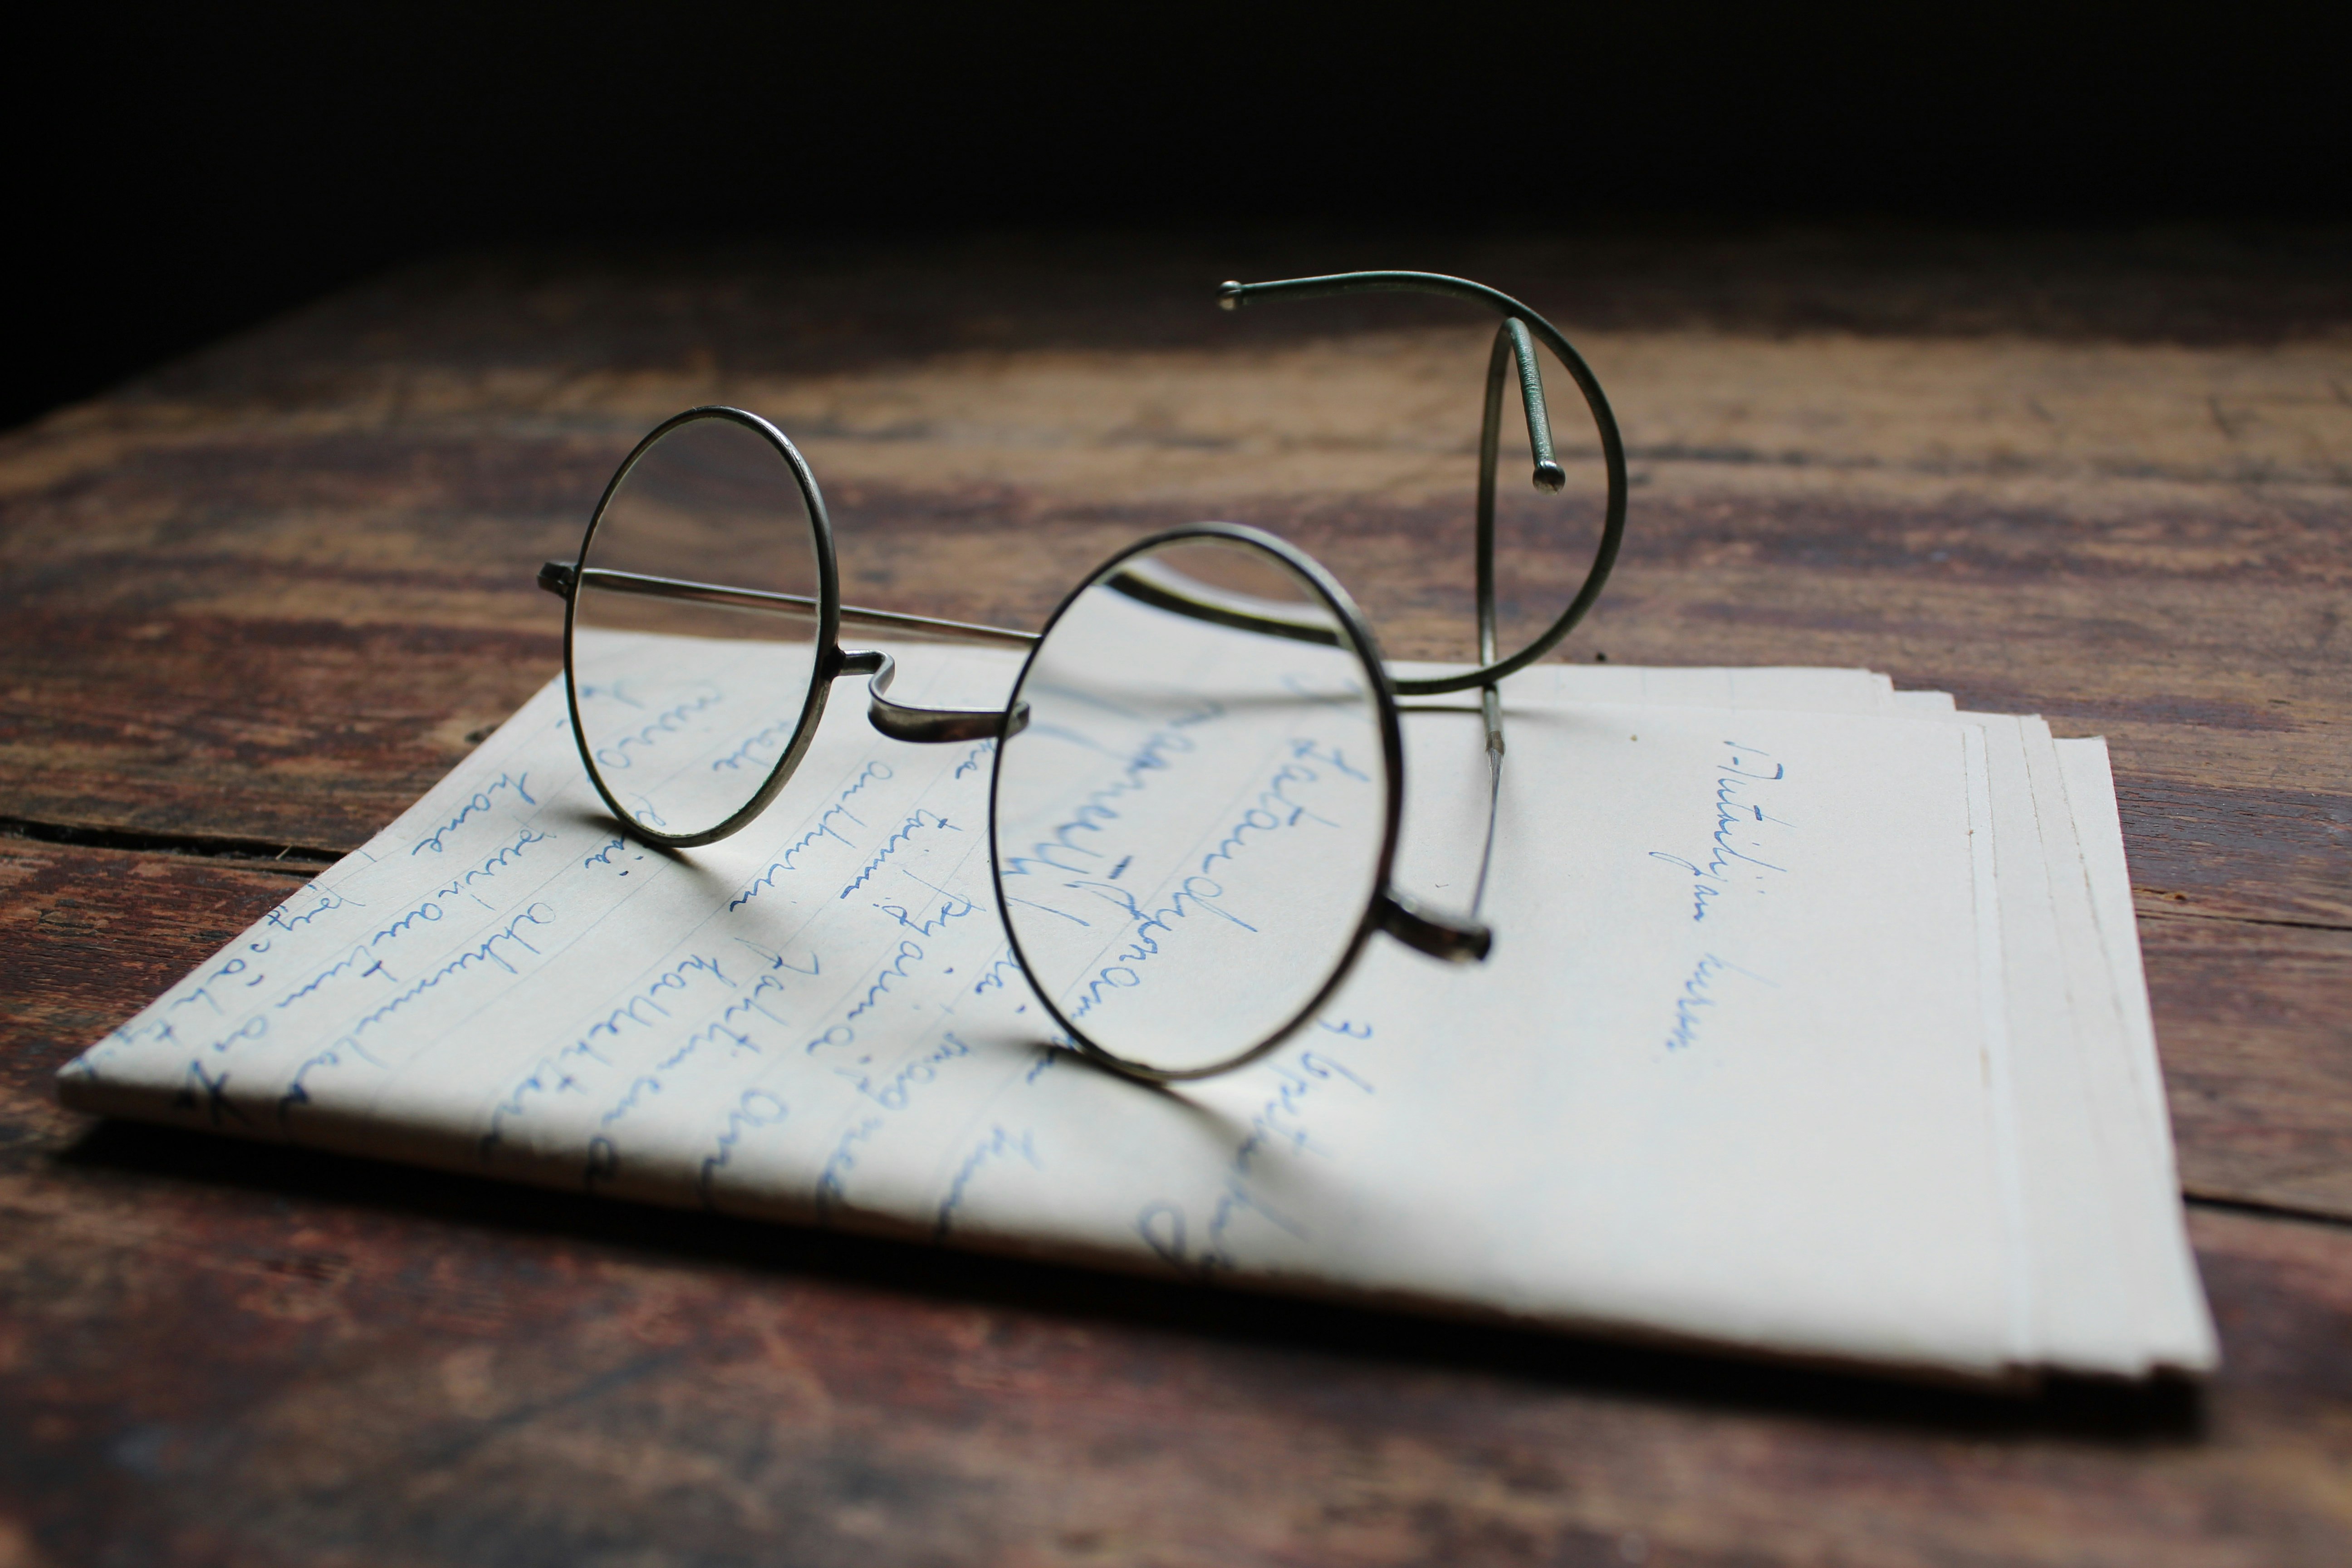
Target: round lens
(690, 701)
(1191, 826)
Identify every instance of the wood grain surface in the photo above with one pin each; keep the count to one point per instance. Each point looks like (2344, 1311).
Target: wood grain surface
(258, 601)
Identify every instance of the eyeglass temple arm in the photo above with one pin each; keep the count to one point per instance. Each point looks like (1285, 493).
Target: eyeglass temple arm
(1549, 475)
(1490, 705)
(1513, 347)
(562, 579)
(896, 720)
(1521, 327)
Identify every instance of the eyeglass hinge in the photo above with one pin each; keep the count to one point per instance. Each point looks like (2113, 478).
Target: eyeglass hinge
(1426, 932)
(558, 577)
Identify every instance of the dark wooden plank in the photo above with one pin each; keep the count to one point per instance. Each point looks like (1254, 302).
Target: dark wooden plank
(223, 1352)
(2255, 1023)
(312, 733)
(87, 937)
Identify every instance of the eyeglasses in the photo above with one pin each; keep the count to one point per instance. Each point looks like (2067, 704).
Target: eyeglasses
(1197, 779)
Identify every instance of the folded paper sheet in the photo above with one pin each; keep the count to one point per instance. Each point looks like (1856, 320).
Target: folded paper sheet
(1815, 1027)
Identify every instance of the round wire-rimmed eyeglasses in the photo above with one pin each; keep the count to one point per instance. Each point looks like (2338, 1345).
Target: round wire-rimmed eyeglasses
(1197, 779)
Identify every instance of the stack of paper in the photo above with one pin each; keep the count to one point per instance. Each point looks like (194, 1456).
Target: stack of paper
(1816, 1025)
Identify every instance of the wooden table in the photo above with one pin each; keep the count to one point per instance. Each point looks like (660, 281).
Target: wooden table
(259, 600)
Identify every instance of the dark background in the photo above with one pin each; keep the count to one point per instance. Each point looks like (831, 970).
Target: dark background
(178, 173)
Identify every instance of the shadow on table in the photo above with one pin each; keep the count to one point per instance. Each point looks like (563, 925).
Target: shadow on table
(2164, 1411)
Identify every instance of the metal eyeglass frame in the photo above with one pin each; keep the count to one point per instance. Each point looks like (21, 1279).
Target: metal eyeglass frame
(1388, 911)
(1514, 348)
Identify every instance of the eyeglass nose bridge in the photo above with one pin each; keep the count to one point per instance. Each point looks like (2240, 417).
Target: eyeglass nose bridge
(924, 726)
